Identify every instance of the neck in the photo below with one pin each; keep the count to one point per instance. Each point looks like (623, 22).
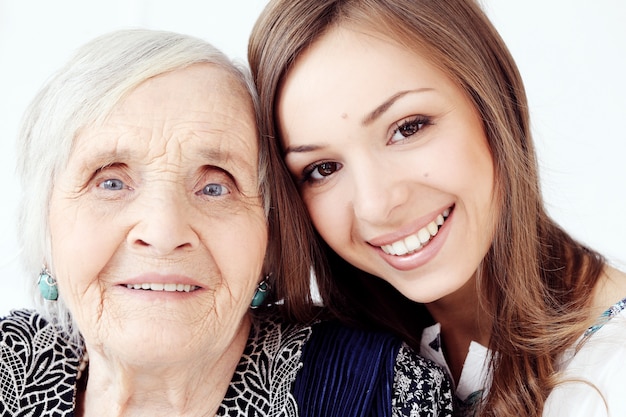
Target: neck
(189, 387)
(462, 321)
(608, 290)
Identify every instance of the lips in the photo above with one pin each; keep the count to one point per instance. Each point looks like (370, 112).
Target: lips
(156, 286)
(417, 241)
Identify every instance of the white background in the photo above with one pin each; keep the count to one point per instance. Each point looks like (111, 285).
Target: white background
(571, 53)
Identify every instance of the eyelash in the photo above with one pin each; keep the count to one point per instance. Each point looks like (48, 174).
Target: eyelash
(310, 169)
(211, 185)
(102, 184)
(108, 175)
(417, 122)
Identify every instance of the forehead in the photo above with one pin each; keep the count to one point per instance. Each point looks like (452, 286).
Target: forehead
(202, 108)
(353, 56)
(355, 69)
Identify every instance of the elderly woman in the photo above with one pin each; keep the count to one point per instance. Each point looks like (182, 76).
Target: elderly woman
(146, 200)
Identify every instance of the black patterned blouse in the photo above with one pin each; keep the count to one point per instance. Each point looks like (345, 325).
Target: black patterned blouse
(280, 373)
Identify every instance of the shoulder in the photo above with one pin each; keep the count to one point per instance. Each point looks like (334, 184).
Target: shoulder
(28, 333)
(376, 366)
(38, 365)
(19, 321)
(593, 372)
(30, 327)
(267, 369)
(276, 338)
(420, 386)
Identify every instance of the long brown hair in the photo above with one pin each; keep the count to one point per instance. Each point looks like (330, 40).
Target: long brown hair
(535, 280)
(293, 251)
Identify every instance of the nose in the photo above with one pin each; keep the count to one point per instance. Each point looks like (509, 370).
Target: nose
(164, 225)
(378, 190)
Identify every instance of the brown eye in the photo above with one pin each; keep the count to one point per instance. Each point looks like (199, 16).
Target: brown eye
(327, 168)
(324, 169)
(408, 128)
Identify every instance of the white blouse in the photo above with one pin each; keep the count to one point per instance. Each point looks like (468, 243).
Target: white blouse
(593, 380)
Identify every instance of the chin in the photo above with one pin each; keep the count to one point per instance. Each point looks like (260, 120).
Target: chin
(428, 288)
(152, 346)
(146, 330)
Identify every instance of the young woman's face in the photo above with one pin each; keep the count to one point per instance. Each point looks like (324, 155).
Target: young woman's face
(392, 162)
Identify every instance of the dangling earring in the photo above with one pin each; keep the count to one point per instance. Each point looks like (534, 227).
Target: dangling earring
(47, 285)
(261, 293)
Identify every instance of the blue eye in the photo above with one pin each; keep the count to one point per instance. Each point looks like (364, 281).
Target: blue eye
(112, 184)
(214, 190)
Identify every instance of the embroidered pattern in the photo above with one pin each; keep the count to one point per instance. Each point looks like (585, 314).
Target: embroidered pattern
(262, 382)
(419, 388)
(37, 367)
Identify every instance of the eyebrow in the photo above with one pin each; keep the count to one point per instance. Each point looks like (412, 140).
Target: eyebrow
(371, 117)
(107, 157)
(378, 111)
(228, 160)
(212, 154)
(300, 149)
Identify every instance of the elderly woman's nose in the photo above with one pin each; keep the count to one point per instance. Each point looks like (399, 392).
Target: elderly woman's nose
(164, 225)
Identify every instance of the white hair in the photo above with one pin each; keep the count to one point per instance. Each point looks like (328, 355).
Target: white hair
(82, 93)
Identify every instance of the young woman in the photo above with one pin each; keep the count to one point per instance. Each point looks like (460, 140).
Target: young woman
(405, 125)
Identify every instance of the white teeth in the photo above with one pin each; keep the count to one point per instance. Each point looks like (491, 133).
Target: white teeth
(432, 228)
(162, 287)
(412, 243)
(388, 249)
(415, 242)
(423, 235)
(399, 247)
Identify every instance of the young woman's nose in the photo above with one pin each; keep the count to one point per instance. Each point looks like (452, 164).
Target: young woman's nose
(376, 191)
(165, 225)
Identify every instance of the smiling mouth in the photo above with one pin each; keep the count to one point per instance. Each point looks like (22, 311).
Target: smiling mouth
(419, 240)
(163, 287)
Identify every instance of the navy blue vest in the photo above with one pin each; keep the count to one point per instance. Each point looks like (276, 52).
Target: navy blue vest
(346, 373)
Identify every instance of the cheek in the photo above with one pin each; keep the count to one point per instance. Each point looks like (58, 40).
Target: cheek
(238, 248)
(480, 179)
(82, 245)
(329, 215)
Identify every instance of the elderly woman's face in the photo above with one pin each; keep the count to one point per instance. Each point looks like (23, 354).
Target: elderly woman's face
(158, 231)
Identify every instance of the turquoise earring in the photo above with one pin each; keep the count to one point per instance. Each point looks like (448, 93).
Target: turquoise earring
(260, 294)
(47, 285)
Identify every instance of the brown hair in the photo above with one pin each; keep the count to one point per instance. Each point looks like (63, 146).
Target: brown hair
(535, 280)
(293, 251)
